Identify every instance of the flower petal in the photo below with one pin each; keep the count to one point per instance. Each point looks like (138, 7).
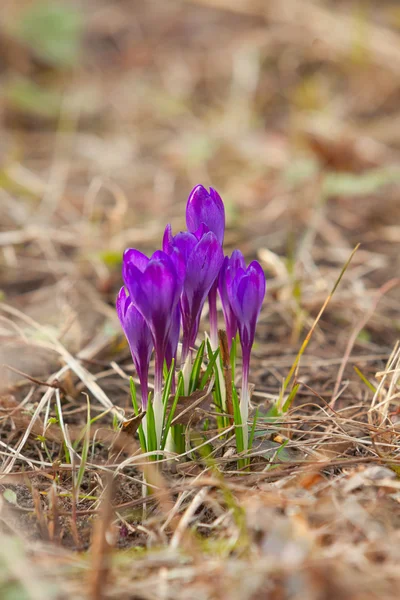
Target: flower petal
(208, 208)
(183, 241)
(121, 305)
(246, 291)
(139, 338)
(156, 293)
(137, 258)
(228, 271)
(202, 269)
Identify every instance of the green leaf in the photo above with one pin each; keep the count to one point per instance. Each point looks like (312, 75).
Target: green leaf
(238, 421)
(65, 445)
(133, 396)
(115, 423)
(300, 171)
(10, 496)
(167, 387)
(209, 369)
(111, 258)
(364, 336)
(26, 96)
(142, 437)
(179, 392)
(349, 184)
(269, 449)
(365, 380)
(54, 32)
(194, 377)
(178, 435)
(290, 399)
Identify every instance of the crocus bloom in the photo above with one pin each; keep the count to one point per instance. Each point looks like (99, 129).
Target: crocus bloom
(206, 208)
(246, 291)
(231, 266)
(202, 259)
(155, 286)
(139, 339)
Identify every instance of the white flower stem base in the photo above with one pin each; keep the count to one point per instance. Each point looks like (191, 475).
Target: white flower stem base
(158, 409)
(244, 413)
(186, 372)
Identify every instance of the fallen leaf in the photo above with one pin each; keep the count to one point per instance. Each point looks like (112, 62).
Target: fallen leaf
(131, 425)
(191, 408)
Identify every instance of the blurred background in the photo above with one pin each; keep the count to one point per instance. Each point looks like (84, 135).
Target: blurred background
(111, 111)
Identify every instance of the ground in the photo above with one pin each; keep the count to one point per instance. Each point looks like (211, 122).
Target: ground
(110, 113)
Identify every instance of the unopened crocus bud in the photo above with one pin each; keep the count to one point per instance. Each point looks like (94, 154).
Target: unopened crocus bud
(246, 291)
(207, 209)
(155, 287)
(139, 339)
(230, 265)
(202, 259)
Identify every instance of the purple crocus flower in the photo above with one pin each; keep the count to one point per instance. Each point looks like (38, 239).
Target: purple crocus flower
(206, 208)
(139, 339)
(155, 286)
(246, 291)
(202, 259)
(231, 266)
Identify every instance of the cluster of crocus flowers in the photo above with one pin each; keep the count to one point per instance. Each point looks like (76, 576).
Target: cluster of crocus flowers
(165, 294)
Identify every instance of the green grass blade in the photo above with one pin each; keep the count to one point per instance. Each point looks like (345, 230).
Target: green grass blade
(179, 392)
(142, 436)
(167, 385)
(308, 337)
(238, 421)
(209, 370)
(194, 376)
(365, 380)
(290, 399)
(65, 445)
(133, 396)
(177, 432)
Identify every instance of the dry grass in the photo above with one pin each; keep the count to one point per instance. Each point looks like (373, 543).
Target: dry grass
(290, 109)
